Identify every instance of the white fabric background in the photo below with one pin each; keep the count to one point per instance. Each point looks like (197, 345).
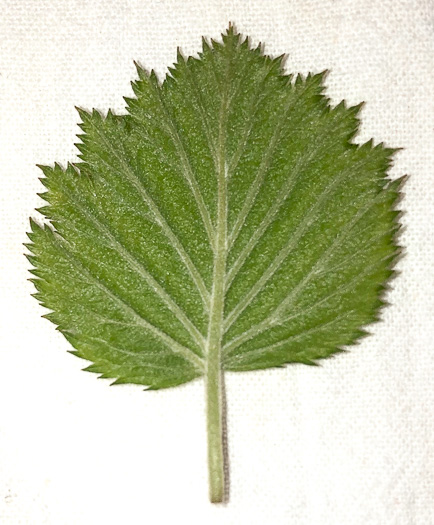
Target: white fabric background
(350, 442)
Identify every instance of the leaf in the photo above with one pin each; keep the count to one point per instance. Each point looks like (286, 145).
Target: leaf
(226, 222)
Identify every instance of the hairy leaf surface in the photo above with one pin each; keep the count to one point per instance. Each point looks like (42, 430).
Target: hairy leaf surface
(227, 221)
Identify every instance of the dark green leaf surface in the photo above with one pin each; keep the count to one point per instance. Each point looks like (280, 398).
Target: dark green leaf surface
(230, 195)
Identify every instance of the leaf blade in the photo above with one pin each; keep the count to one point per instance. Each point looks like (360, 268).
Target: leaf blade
(295, 190)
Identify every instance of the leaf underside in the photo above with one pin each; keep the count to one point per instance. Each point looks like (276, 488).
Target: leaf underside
(125, 265)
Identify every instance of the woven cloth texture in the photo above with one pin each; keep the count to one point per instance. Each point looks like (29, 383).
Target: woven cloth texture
(347, 443)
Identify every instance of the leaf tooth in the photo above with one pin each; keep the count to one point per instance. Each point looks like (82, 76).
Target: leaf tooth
(38, 296)
(45, 210)
(83, 136)
(230, 31)
(106, 375)
(83, 113)
(152, 388)
(180, 59)
(175, 73)
(396, 186)
(32, 259)
(321, 76)
(120, 381)
(259, 50)
(154, 78)
(58, 168)
(277, 64)
(341, 106)
(396, 217)
(82, 148)
(327, 108)
(36, 272)
(29, 246)
(299, 79)
(228, 35)
(394, 150)
(141, 71)
(389, 152)
(382, 303)
(46, 228)
(357, 108)
(245, 43)
(390, 272)
(137, 87)
(205, 45)
(308, 362)
(37, 282)
(191, 61)
(397, 256)
(365, 146)
(51, 316)
(361, 333)
(71, 337)
(237, 37)
(35, 226)
(44, 195)
(70, 169)
(169, 80)
(32, 238)
(351, 134)
(46, 170)
(216, 45)
(76, 353)
(96, 115)
(45, 181)
(93, 368)
(280, 59)
(131, 102)
(55, 224)
(80, 167)
(287, 79)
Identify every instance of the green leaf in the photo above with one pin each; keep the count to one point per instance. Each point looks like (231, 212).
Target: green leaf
(226, 222)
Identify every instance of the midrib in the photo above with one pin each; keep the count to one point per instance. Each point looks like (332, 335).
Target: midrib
(213, 371)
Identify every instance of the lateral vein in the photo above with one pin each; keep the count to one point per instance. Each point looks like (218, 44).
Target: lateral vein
(302, 227)
(236, 342)
(285, 191)
(297, 337)
(254, 104)
(187, 169)
(259, 178)
(171, 343)
(167, 230)
(138, 267)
